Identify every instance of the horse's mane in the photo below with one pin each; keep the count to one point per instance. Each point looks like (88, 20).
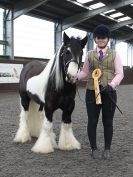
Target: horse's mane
(56, 73)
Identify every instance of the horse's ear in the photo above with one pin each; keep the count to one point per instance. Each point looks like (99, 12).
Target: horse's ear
(84, 41)
(66, 39)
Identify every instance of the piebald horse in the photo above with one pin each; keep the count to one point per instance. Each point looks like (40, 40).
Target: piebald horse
(44, 89)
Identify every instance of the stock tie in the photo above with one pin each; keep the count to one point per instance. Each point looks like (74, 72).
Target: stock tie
(100, 55)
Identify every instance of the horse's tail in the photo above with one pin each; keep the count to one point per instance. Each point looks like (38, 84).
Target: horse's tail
(35, 118)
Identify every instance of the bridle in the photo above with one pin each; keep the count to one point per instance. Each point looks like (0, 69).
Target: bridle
(63, 55)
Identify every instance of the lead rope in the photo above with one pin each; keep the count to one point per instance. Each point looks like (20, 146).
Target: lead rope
(112, 100)
(115, 104)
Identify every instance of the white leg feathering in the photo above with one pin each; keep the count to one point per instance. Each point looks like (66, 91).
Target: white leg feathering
(46, 141)
(67, 140)
(23, 134)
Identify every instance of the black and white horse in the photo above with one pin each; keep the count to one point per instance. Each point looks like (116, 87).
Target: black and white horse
(45, 89)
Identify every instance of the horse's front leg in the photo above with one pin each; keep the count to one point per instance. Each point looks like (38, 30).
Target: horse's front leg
(46, 140)
(67, 140)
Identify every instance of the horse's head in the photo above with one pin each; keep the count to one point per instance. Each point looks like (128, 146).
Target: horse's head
(67, 61)
(72, 56)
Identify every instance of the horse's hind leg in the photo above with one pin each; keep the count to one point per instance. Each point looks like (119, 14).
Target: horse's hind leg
(67, 140)
(23, 134)
(46, 140)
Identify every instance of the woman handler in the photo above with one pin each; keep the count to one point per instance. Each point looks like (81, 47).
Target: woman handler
(109, 62)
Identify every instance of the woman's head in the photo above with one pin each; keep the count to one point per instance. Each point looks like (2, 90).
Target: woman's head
(101, 35)
(101, 31)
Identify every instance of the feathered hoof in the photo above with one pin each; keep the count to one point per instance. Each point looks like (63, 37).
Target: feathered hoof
(22, 137)
(43, 146)
(70, 146)
(45, 150)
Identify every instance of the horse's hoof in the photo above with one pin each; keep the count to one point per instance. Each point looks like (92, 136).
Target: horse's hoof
(70, 146)
(43, 146)
(22, 138)
(44, 151)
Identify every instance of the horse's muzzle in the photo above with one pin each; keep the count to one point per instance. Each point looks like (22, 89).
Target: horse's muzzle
(71, 79)
(72, 72)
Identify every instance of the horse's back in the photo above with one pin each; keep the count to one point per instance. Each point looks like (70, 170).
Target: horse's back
(31, 69)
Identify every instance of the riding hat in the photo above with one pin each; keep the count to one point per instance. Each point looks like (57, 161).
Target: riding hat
(101, 31)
